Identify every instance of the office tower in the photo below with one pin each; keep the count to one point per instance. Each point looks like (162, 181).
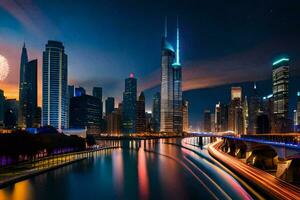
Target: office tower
(254, 107)
(280, 77)
(156, 112)
(207, 121)
(2, 101)
(97, 92)
(114, 121)
(235, 112)
(262, 122)
(109, 105)
(27, 90)
(38, 117)
(55, 88)
(185, 116)
(11, 109)
(245, 115)
(171, 88)
(85, 113)
(29, 95)
(140, 114)
(22, 93)
(79, 91)
(129, 106)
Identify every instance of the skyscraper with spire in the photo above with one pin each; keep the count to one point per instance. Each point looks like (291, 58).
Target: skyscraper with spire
(171, 89)
(27, 91)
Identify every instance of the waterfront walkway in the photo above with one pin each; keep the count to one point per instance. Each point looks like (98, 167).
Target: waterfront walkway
(18, 172)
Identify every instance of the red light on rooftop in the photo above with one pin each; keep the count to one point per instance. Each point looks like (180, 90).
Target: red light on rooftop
(131, 75)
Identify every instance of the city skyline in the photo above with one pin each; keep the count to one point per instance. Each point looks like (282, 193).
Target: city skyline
(196, 63)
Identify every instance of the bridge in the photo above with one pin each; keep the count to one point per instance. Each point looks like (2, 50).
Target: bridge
(278, 154)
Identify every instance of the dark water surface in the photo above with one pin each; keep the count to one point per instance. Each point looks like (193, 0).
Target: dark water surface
(152, 169)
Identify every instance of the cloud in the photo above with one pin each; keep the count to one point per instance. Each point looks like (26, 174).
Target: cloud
(250, 65)
(30, 16)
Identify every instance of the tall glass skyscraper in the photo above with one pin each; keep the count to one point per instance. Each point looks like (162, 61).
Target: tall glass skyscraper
(21, 114)
(55, 79)
(109, 105)
(166, 90)
(129, 105)
(171, 89)
(27, 91)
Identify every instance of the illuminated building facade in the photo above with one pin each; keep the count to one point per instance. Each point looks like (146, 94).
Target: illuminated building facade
(280, 79)
(207, 121)
(185, 116)
(171, 88)
(235, 111)
(254, 107)
(55, 88)
(97, 92)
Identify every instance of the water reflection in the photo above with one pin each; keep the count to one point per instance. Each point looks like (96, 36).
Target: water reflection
(152, 169)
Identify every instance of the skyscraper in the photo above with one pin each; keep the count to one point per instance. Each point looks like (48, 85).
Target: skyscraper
(245, 115)
(55, 80)
(11, 113)
(235, 113)
(129, 105)
(171, 89)
(218, 117)
(80, 91)
(109, 105)
(114, 122)
(254, 107)
(156, 112)
(27, 90)
(140, 114)
(280, 79)
(97, 92)
(24, 60)
(185, 116)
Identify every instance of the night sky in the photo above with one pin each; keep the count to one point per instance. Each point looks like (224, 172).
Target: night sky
(222, 42)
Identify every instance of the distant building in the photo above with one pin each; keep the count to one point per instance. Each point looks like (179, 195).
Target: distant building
(156, 112)
(114, 122)
(207, 121)
(11, 107)
(218, 117)
(140, 114)
(280, 79)
(254, 107)
(148, 121)
(85, 113)
(212, 122)
(2, 101)
(79, 91)
(267, 107)
(55, 90)
(221, 117)
(97, 92)
(185, 116)
(235, 112)
(71, 91)
(129, 106)
(109, 105)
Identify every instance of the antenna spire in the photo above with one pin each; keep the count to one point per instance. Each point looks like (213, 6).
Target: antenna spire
(166, 27)
(177, 43)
